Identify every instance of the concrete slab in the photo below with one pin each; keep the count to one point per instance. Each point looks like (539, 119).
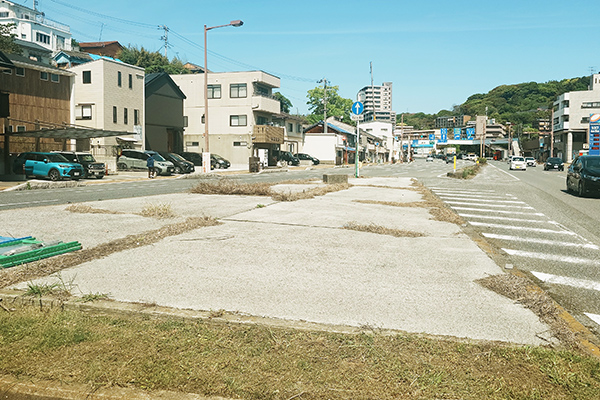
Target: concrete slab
(293, 261)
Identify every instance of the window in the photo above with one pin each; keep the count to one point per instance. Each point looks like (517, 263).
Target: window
(237, 120)
(202, 119)
(261, 120)
(87, 76)
(4, 14)
(54, 78)
(83, 111)
(115, 114)
(130, 81)
(20, 128)
(42, 38)
(237, 90)
(125, 117)
(136, 117)
(240, 144)
(20, 71)
(7, 71)
(291, 128)
(214, 91)
(119, 79)
(43, 75)
(298, 128)
(591, 105)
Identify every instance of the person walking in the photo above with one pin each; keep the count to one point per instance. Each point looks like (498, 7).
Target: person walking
(150, 165)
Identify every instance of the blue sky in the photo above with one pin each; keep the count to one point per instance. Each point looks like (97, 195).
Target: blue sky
(436, 53)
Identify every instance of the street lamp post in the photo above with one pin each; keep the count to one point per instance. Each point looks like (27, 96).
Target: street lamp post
(206, 153)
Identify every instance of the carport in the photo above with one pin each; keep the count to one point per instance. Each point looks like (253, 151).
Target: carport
(58, 132)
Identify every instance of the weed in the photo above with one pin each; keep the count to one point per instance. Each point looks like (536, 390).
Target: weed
(90, 297)
(85, 209)
(381, 230)
(159, 211)
(260, 206)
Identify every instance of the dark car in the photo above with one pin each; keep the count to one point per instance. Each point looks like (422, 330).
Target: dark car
(216, 161)
(288, 157)
(304, 156)
(196, 158)
(182, 166)
(554, 163)
(91, 167)
(583, 175)
(51, 165)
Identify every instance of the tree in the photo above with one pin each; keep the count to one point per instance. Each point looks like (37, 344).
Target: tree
(337, 106)
(285, 103)
(151, 61)
(7, 39)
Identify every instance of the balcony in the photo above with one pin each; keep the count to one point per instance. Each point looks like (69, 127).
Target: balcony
(267, 134)
(265, 103)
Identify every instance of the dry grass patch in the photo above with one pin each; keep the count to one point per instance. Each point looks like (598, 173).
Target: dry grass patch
(159, 211)
(309, 193)
(381, 230)
(212, 358)
(85, 209)
(49, 266)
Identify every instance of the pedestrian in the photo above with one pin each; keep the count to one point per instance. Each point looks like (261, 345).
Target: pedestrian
(150, 165)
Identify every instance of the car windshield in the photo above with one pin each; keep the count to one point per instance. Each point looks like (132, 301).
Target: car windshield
(518, 159)
(87, 158)
(592, 162)
(53, 157)
(216, 156)
(554, 160)
(177, 157)
(157, 157)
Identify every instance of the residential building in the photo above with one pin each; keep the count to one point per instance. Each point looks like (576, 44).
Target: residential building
(39, 97)
(68, 59)
(242, 117)
(452, 121)
(33, 26)
(337, 146)
(571, 122)
(377, 101)
(380, 141)
(108, 49)
(109, 95)
(164, 114)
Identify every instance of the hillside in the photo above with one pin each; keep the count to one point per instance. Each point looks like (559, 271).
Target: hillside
(521, 103)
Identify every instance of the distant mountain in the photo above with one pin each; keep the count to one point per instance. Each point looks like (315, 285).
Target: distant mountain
(522, 103)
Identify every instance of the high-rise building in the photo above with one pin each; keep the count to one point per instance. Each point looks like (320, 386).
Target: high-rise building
(378, 103)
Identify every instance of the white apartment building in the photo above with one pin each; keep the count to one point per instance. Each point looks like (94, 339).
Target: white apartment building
(572, 119)
(382, 147)
(33, 26)
(244, 119)
(109, 95)
(378, 103)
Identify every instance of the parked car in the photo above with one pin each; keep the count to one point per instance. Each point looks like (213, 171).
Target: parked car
(554, 163)
(429, 158)
(304, 156)
(91, 167)
(51, 165)
(471, 156)
(136, 159)
(196, 158)
(583, 175)
(182, 166)
(216, 161)
(288, 157)
(530, 162)
(450, 158)
(518, 162)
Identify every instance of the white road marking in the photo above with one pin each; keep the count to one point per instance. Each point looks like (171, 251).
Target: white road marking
(488, 205)
(540, 241)
(593, 317)
(495, 217)
(481, 199)
(564, 280)
(475, 196)
(504, 172)
(29, 202)
(551, 257)
(462, 190)
(522, 228)
(497, 211)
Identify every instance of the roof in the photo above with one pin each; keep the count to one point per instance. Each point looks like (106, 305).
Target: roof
(19, 60)
(99, 44)
(5, 61)
(31, 45)
(159, 79)
(74, 54)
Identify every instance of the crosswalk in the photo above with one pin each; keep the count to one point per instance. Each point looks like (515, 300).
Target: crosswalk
(550, 251)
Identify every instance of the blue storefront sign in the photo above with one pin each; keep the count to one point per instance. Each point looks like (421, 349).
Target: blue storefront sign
(594, 135)
(456, 133)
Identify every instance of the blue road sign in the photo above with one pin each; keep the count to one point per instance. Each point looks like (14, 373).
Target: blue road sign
(358, 108)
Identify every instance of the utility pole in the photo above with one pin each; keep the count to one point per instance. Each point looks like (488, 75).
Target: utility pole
(165, 37)
(552, 132)
(324, 80)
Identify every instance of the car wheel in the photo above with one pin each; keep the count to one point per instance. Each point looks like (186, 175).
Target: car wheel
(99, 176)
(568, 186)
(121, 166)
(178, 170)
(581, 189)
(54, 175)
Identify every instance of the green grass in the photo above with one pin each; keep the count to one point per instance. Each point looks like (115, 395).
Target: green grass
(215, 358)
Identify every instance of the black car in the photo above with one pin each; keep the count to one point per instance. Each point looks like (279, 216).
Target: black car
(216, 161)
(91, 167)
(554, 163)
(288, 157)
(182, 166)
(583, 175)
(196, 159)
(304, 156)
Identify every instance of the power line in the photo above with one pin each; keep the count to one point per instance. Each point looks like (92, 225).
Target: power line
(125, 21)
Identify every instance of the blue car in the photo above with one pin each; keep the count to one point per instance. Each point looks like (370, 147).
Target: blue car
(47, 165)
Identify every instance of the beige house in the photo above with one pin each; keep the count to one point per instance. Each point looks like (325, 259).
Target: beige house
(244, 118)
(109, 95)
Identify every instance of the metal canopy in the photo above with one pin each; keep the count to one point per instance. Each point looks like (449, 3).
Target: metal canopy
(69, 133)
